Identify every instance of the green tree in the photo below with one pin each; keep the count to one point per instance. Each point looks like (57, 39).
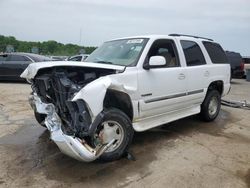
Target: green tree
(50, 47)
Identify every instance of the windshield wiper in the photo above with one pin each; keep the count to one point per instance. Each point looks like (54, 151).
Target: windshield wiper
(105, 62)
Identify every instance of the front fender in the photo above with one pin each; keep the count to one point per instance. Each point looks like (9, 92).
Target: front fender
(94, 93)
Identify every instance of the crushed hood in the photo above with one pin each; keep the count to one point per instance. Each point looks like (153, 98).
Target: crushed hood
(31, 71)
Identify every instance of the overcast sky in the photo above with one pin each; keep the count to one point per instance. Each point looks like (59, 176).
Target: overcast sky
(226, 21)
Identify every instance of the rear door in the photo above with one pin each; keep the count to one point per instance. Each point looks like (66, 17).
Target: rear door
(198, 72)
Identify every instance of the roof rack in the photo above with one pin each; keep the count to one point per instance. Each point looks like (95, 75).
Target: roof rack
(179, 35)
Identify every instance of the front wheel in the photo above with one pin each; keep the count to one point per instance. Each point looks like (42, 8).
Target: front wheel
(210, 107)
(115, 125)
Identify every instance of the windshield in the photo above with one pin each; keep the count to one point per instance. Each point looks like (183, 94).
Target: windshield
(124, 52)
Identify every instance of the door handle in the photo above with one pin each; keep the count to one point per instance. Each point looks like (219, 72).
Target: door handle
(181, 76)
(206, 74)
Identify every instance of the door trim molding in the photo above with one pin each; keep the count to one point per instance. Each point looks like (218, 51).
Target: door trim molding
(174, 96)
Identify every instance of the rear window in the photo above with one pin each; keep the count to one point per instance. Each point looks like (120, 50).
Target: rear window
(215, 52)
(193, 53)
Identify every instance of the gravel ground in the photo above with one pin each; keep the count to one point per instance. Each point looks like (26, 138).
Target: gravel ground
(184, 153)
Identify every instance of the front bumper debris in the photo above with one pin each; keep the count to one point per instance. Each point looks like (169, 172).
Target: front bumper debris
(69, 145)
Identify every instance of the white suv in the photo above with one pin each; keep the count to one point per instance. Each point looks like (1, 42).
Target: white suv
(130, 84)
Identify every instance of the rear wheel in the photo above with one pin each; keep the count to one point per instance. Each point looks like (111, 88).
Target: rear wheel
(115, 125)
(210, 107)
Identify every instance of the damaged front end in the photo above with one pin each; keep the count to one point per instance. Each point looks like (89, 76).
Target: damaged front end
(69, 119)
(72, 146)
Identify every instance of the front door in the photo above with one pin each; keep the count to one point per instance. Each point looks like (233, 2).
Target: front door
(162, 89)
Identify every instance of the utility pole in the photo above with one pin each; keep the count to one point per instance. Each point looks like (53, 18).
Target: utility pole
(82, 50)
(80, 41)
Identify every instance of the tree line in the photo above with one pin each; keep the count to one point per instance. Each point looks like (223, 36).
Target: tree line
(50, 47)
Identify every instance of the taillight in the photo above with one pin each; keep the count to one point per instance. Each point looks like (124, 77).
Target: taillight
(241, 66)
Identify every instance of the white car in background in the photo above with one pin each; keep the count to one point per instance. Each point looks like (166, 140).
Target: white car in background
(129, 84)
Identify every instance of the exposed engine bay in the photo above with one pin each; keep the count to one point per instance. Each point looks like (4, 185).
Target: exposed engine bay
(58, 85)
(68, 99)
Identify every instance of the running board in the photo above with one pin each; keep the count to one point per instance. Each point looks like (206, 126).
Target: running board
(154, 121)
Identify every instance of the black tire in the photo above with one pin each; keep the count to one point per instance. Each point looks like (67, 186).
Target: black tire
(40, 118)
(206, 113)
(120, 117)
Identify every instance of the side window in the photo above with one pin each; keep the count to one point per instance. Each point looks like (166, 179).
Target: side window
(215, 52)
(193, 53)
(165, 48)
(16, 58)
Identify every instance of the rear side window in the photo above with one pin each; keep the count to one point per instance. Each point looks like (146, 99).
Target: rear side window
(193, 53)
(215, 52)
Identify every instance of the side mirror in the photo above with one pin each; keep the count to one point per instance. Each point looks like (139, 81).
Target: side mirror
(156, 61)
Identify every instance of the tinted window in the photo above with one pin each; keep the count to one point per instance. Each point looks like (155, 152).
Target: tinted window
(193, 53)
(216, 53)
(165, 48)
(17, 58)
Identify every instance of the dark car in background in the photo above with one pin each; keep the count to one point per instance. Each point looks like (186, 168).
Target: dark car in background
(236, 62)
(246, 61)
(13, 64)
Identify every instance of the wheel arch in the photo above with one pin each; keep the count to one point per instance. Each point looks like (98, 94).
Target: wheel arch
(216, 85)
(120, 100)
